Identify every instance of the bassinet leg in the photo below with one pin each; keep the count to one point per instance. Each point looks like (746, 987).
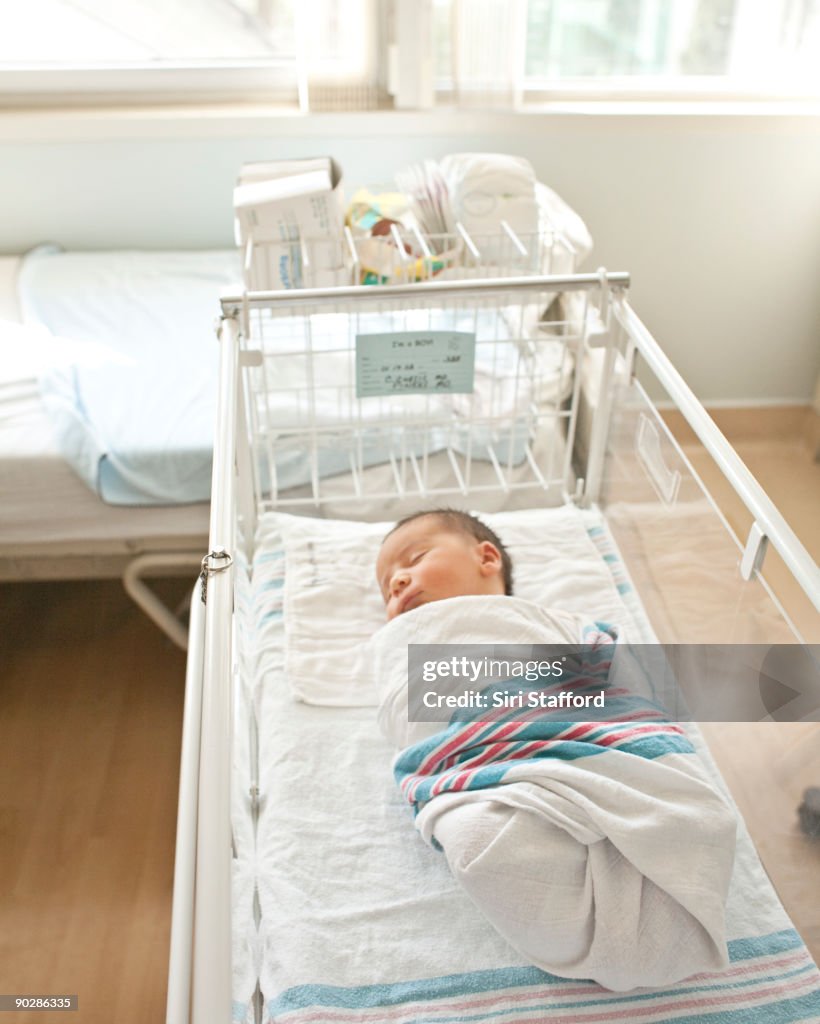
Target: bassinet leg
(182, 919)
(148, 601)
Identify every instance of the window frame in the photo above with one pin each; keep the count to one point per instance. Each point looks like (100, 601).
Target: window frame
(663, 89)
(272, 81)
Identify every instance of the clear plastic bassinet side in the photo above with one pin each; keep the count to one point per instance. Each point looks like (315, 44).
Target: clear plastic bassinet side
(692, 524)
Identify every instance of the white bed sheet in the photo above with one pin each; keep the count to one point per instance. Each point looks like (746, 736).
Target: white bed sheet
(135, 419)
(46, 511)
(45, 504)
(349, 894)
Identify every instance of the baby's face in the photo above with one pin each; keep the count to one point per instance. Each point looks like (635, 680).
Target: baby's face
(425, 561)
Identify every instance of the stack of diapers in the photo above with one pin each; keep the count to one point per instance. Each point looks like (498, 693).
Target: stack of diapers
(487, 190)
(599, 851)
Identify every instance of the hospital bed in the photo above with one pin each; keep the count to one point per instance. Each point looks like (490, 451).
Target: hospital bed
(52, 524)
(298, 885)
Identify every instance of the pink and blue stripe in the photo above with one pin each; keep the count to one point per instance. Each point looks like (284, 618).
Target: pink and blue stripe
(771, 979)
(470, 754)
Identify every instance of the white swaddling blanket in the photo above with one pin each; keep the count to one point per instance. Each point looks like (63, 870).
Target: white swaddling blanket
(604, 853)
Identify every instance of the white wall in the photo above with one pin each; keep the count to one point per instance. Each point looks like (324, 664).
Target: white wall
(717, 217)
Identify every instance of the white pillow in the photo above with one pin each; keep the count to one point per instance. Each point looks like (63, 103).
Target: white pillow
(332, 604)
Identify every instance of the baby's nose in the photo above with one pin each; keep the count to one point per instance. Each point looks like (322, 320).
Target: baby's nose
(399, 581)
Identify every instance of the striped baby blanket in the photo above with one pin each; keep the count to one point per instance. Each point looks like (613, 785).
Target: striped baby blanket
(598, 850)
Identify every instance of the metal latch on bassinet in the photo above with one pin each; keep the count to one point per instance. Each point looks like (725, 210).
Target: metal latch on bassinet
(215, 562)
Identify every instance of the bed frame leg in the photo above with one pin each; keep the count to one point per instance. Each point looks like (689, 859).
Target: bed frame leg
(147, 600)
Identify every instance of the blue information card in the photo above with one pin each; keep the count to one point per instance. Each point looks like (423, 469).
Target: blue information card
(415, 363)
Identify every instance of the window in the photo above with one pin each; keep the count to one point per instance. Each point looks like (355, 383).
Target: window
(531, 50)
(341, 54)
(178, 49)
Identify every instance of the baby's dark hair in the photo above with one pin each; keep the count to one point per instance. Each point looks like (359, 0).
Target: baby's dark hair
(455, 519)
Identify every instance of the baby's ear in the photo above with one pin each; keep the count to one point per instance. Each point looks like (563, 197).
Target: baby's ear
(490, 558)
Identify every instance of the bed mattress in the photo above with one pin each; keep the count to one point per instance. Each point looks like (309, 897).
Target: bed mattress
(356, 919)
(47, 514)
(134, 413)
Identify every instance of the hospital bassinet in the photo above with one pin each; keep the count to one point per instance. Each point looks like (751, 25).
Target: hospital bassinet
(279, 913)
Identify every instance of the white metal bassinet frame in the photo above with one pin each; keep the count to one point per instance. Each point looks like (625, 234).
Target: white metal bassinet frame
(199, 987)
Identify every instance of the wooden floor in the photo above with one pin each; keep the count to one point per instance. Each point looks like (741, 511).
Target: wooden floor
(90, 718)
(779, 447)
(769, 765)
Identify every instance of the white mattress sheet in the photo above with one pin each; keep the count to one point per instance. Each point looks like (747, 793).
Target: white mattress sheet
(44, 505)
(135, 418)
(45, 509)
(349, 893)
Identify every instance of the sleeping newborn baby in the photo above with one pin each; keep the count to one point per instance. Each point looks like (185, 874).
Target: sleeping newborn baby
(456, 576)
(597, 849)
(435, 555)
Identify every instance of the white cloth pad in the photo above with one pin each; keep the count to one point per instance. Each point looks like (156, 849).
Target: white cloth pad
(607, 858)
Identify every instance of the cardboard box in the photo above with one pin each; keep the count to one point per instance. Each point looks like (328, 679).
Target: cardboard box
(267, 170)
(293, 211)
(276, 266)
